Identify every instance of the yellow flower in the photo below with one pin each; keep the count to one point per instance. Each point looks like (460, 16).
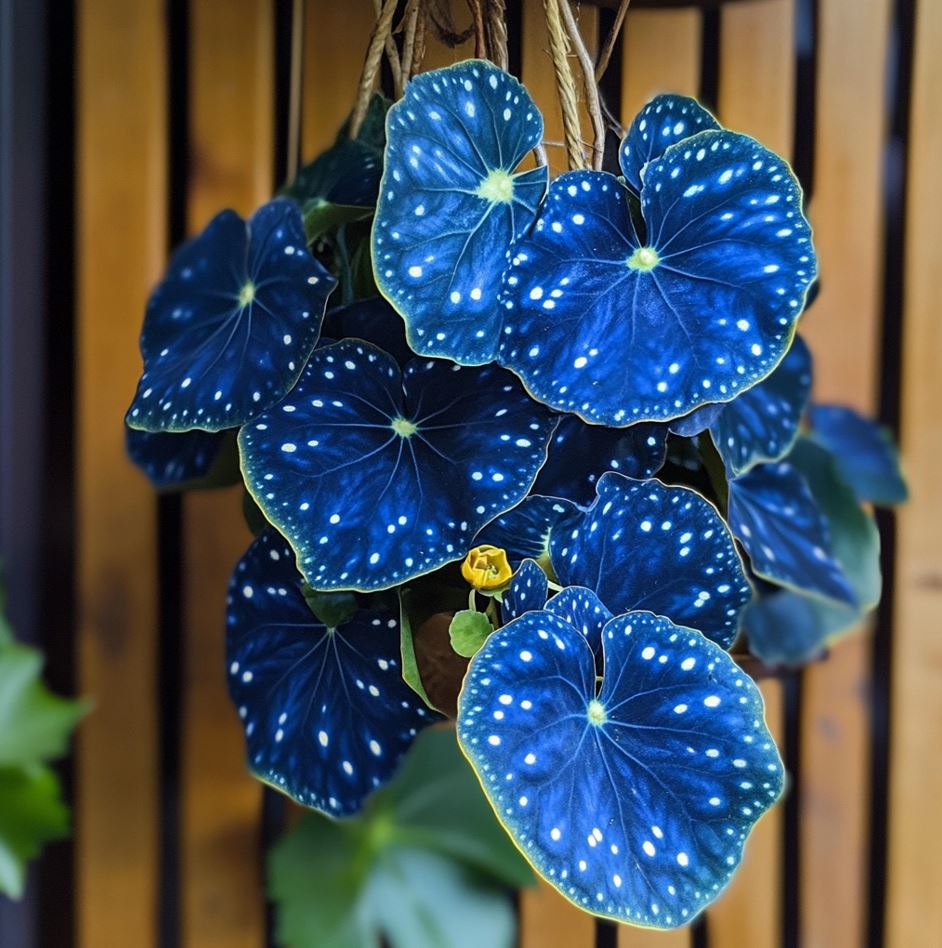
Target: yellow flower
(486, 567)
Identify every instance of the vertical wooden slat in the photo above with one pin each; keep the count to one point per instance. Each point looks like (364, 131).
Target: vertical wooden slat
(756, 96)
(843, 330)
(335, 40)
(914, 909)
(547, 920)
(231, 129)
(121, 248)
(661, 54)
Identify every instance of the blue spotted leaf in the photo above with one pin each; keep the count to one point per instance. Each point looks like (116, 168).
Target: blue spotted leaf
(664, 121)
(761, 424)
(583, 610)
(620, 327)
(644, 545)
(524, 531)
(227, 332)
(633, 801)
(579, 454)
(775, 516)
(689, 426)
(451, 204)
(326, 713)
(175, 458)
(377, 475)
(528, 590)
(865, 454)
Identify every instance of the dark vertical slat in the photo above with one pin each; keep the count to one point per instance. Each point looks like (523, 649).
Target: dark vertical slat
(803, 154)
(22, 118)
(899, 79)
(57, 522)
(791, 825)
(700, 932)
(709, 86)
(170, 664)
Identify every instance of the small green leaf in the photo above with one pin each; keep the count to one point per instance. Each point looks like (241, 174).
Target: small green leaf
(333, 609)
(31, 813)
(469, 631)
(421, 867)
(410, 666)
(321, 217)
(34, 723)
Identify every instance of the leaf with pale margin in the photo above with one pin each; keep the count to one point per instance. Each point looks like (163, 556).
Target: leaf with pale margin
(451, 204)
(635, 800)
(327, 716)
(664, 121)
(528, 590)
(422, 866)
(774, 515)
(175, 459)
(216, 353)
(368, 505)
(525, 530)
(762, 423)
(642, 545)
(864, 452)
(620, 327)
(790, 628)
(579, 454)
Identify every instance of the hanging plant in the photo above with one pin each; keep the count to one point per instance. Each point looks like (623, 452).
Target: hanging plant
(533, 455)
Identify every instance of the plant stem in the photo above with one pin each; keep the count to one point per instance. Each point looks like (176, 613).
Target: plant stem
(606, 54)
(565, 86)
(589, 84)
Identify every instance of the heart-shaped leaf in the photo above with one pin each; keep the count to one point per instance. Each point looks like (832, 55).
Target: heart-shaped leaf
(227, 332)
(635, 800)
(644, 545)
(664, 121)
(376, 475)
(451, 204)
(789, 627)
(524, 531)
(528, 590)
(618, 326)
(775, 516)
(175, 459)
(761, 424)
(865, 454)
(579, 454)
(326, 713)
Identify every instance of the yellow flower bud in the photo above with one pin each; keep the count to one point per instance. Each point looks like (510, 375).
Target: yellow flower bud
(486, 568)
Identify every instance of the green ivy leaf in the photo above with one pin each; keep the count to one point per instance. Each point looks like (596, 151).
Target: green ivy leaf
(469, 631)
(34, 723)
(333, 609)
(424, 866)
(31, 813)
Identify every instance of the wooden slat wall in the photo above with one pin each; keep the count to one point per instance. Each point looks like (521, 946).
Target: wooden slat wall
(843, 330)
(231, 51)
(122, 175)
(915, 864)
(121, 250)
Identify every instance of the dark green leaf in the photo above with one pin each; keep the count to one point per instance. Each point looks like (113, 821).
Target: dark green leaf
(321, 217)
(332, 608)
(31, 813)
(468, 631)
(416, 869)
